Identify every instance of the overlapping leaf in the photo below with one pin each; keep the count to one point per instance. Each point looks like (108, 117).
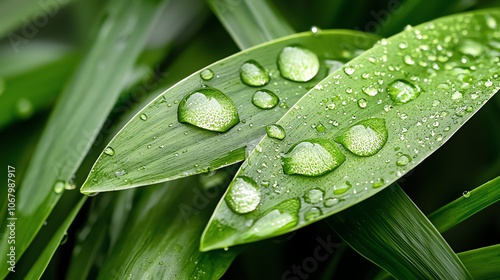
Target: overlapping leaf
(155, 147)
(390, 108)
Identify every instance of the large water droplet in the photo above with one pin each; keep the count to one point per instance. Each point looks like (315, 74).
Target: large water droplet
(253, 74)
(207, 74)
(365, 138)
(208, 108)
(402, 91)
(109, 151)
(312, 157)
(275, 131)
(298, 64)
(243, 195)
(265, 99)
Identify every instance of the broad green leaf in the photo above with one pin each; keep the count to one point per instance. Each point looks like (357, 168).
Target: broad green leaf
(50, 248)
(155, 147)
(469, 204)
(160, 240)
(80, 112)
(482, 263)
(392, 232)
(384, 112)
(250, 22)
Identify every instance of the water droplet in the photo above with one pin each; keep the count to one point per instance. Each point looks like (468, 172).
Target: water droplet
(64, 239)
(120, 173)
(470, 47)
(312, 214)
(403, 160)
(314, 29)
(362, 103)
(59, 187)
(275, 131)
(371, 91)
(365, 138)
(265, 99)
(402, 91)
(24, 108)
(243, 195)
(320, 128)
(207, 74)
(331, 201)
(109, 151)
(466, 194)
(253, 74)
(408, 60)
(314, 196)
(312, 157)
(298, 64)
(488, 83)
(143, 117)
(341, 188)
(208, 108)
(456, 95)
(349, 70)
(283, 217)
(491, 21)
(378, 184)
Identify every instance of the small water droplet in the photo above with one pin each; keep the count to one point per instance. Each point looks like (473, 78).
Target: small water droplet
(265, 99)
(59, 187)
(362, 103)
(143, 117)
(320, 128)
(314, 196)
(207, 74)
(312, 214)
(314, 29)
(470, 47)
(379, 183)
(456, 95)
(331, 201)
(341, 188)
(109, 151)
(403, 160)
(408, 60)
(402, 91)
(349, 70)
(365, 138)
(243, 195)
(371, 91)
(298, 64)
(312, 157)
(120, 173)
(488, 83)
(208, 108)
(275, 131)
(466, 194)
(253, 74)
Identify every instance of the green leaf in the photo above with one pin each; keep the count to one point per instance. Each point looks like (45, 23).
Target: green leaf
(482, 263)
(80, 113)
(50, 248)
(392, 232)
(420, 86)
(469, 204)
(160, 239)
(250, 22)
(155, 147)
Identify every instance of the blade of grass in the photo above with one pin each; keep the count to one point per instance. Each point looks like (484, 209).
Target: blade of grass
(389, 230)
(50, 248)
(464, 207)
(154, 136)
(80, 112)
(482, 263)
(352, 134)
(250, 22)
(165, 226)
